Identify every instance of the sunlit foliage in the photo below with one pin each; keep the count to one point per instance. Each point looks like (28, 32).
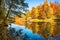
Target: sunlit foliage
(45, 19)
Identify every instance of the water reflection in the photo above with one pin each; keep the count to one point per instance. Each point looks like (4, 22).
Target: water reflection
(32, 36)
(50, 28)
(41, 30)
(46, 28)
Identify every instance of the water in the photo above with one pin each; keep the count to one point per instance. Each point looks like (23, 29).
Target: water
(33, 36)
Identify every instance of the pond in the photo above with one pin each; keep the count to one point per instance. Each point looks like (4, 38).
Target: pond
(29, 32)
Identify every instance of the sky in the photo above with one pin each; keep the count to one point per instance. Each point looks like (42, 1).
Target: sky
(34, 3)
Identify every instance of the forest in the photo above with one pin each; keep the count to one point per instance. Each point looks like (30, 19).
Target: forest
(43, 19)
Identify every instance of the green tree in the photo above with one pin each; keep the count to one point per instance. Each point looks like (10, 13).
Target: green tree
(8, 8)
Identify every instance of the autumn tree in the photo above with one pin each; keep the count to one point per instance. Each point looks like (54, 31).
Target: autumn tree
(48, 20)
(57, 20)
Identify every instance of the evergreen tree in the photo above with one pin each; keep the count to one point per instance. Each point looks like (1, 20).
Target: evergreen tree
(8, 8)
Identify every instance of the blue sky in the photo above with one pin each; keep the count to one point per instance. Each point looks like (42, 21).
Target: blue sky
(34, 3)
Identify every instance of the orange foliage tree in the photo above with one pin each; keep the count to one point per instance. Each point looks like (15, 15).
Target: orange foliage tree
(50, 15)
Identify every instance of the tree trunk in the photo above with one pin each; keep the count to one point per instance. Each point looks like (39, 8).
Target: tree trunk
(3, 25)
(3, 33)
(3, 29)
